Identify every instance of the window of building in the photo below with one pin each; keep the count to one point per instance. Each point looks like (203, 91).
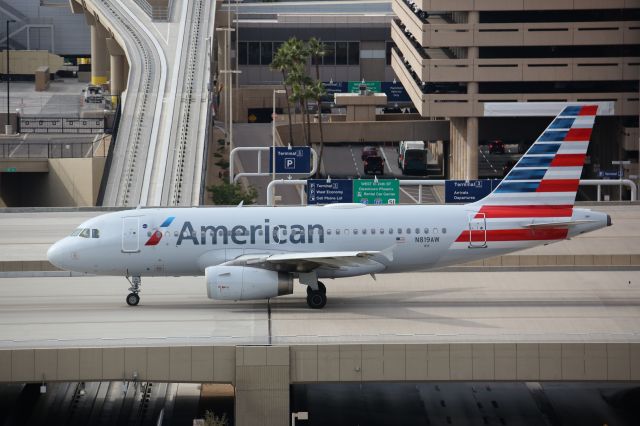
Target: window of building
(266, 53)
(354, 53)
(242, 53)
(254, 53)
(389, 49)
(330, 54)
(342, 53)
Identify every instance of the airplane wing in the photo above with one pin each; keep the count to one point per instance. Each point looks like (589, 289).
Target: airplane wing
(305, 262)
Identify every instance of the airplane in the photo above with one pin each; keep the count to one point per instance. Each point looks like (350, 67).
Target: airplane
(248, 253)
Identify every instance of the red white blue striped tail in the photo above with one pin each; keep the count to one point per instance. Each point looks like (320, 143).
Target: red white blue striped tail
(547, 176)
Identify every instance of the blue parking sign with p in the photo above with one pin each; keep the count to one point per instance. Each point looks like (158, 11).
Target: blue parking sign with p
(291, 160)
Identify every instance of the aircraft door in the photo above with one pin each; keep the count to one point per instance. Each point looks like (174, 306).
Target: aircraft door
(477, 230)
(130, 234)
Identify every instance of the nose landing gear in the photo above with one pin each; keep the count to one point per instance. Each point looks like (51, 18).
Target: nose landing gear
(133, 299)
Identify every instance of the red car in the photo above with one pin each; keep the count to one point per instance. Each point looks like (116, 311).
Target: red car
(369, 151)
(496, 147)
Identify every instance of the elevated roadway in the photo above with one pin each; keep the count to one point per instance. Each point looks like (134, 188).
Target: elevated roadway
(159, 154)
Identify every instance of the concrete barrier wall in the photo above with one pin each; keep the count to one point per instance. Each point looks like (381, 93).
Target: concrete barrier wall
(266, 369)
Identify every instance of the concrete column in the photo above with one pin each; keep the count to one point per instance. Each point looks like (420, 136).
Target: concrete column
(262, 385)
(99, 53)
(116, 61)
(472, 148)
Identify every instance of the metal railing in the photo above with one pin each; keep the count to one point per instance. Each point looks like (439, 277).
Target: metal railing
(74, 125)
(420, 183)
(53, 150)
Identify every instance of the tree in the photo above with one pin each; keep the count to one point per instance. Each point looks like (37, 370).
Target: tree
(210, 419)
(281, 62)
(318, 50)
(231, 194)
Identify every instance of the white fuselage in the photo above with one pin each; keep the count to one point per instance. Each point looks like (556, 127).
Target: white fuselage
(409, 238)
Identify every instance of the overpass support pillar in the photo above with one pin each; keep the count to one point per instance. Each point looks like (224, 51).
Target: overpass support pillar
(99, 53)
(117, 62)
(463, 150)
(262, 385)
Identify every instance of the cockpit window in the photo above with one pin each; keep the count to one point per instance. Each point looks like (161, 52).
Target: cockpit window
(76, 232)
(95, 233)
(85, 233)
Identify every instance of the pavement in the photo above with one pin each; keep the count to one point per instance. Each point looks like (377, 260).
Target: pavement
(447, 307)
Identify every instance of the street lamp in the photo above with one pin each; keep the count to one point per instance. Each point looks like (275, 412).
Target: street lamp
(7, 128)
(273, 134)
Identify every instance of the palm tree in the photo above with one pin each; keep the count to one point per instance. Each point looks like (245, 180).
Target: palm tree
(281, 62)
(317, 50)
(300, 83)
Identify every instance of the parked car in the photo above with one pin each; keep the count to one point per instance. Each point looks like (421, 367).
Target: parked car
(374, 165)
(93, 94)
(496, 147)
(369, 151)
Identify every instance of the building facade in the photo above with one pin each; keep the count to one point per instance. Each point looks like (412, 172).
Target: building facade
(452, 56)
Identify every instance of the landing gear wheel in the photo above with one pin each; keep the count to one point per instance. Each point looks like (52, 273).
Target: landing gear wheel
(321, 288)
(133, 299)
(316, 300)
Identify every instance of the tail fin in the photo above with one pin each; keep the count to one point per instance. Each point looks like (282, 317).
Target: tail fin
(548, 174)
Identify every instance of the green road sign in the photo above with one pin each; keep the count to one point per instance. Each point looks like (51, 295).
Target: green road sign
(11, 169)
(372, 86)
(370, 191)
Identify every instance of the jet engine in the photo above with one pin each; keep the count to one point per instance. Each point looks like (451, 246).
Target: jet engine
(246, 283)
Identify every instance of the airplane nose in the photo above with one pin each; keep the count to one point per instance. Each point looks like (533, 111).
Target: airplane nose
(56, 255)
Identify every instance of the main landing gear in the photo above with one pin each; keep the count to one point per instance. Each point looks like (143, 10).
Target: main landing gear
(316, 299)
(133, 299)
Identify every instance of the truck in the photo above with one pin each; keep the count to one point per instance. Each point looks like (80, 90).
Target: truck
(412, 157)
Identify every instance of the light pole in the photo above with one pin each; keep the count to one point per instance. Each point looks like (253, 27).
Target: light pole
(273, 134)
(229, 132)
(8, 128)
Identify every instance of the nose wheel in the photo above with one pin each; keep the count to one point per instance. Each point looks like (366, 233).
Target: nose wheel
(133, 298)
(316, 299)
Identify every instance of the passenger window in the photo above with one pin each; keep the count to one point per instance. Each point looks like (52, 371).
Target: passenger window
(328, 232)
(426, 230)
(337, 232)
(175, 233)
(346, 232)
(417, 230)
(355, 232)
(399, 230)
(260, 232)
(364, 231)
(444, 230)
(85, 233)
(435, 230)
(373, 231)
(148, 233)
(408, 230)
(381, 230)
(390, 230)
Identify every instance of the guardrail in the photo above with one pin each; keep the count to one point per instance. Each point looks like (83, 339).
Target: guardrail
(61, 125)
(260, 150)
(53, 150)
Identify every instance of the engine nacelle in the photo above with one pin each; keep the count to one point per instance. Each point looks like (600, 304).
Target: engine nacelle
(245, 283)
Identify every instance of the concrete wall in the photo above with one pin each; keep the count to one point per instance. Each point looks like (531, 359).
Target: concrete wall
(69, 182)
(73, 181)
(26, 62)
(262, 374)
(70, 32)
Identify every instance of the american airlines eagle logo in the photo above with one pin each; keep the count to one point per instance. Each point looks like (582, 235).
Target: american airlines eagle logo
(156, 235)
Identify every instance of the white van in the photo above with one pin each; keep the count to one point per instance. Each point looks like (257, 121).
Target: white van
(412, 157)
